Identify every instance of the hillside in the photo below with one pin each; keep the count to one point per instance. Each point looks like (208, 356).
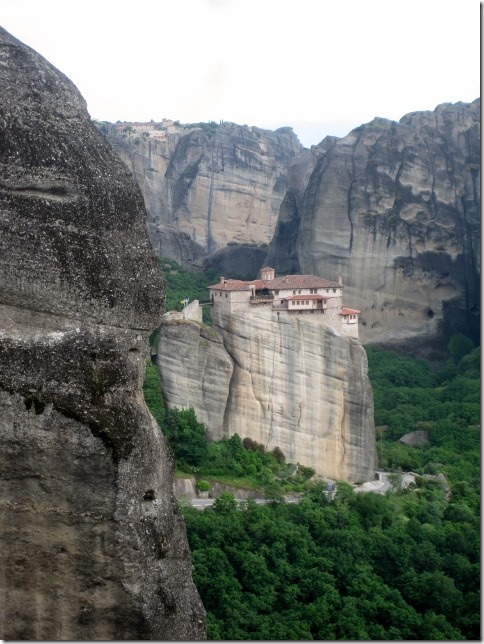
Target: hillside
(394, 207)
(361, 566)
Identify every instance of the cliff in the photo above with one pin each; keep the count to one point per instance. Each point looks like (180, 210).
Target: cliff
(93, 544)
(395, 209)
(209, 185)
(286, 382)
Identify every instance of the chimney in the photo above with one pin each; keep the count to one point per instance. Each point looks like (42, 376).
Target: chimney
(340, 280)
(222, 280)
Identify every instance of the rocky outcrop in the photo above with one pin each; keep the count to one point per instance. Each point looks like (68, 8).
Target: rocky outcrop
(208, 183)
(295, 384)
(419, 437)
(195, 370)
(93, 544)
(283, 250)
(392, 207)
(395, 209)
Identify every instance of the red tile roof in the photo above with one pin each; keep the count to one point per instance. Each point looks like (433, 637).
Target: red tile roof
(231, 285)
(345, 311)
(259, 284)
(300, 281)
(278, 283)
(307, 297)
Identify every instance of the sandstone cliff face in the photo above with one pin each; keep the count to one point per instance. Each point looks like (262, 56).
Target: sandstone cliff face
(395, 209)
(196, 371)
(93, 545)
(295, 384)
(209, 186)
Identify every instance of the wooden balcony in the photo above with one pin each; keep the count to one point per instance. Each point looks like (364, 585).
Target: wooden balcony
(261, 299)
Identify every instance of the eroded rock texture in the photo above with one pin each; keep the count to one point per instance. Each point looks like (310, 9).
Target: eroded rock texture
(93, 545)
(196, 371)
(395, 209)
(210, 186)
(285, 381)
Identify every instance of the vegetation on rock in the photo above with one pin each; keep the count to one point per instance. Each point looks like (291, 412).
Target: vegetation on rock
(181, 284)
(360, 566)
(243, 463)
(348, 566)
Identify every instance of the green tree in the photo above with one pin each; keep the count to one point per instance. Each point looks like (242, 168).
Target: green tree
(459, 346)
(187, 436)
(152, 393)
(225, 503)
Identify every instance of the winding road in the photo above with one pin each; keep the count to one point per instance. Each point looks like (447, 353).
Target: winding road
(379, 486)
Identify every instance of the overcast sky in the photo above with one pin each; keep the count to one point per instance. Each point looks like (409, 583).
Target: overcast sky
(320, 66)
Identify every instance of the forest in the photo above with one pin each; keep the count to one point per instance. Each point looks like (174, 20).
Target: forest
(347, 565)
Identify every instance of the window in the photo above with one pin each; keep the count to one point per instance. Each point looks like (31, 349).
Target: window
(276, 292)
(299, 292)
(226, 295)
(307, 302)
(334, 290)
(294, 292)
(327, 290)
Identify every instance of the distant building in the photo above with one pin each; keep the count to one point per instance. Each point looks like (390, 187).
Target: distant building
(289, 294)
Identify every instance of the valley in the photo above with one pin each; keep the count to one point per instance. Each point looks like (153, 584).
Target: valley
(337, 448)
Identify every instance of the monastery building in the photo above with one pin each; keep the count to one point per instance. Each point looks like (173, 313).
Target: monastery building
(289, 295)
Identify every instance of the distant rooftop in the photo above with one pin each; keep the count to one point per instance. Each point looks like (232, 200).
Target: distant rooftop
(300, 281)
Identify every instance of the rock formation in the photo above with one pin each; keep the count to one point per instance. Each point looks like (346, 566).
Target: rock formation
(284, 381)
(93, 545)
(209, 185)
(392, 207)
(196, 371)
(395, 209)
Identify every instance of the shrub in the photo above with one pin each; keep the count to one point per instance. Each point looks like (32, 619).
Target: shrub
(203, 486)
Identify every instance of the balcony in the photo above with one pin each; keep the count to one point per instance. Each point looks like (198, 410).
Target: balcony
(261, 299)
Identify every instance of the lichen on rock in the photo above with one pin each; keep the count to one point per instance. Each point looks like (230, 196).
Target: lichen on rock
(93, 544)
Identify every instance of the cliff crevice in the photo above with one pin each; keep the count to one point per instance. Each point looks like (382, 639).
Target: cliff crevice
(289, 383)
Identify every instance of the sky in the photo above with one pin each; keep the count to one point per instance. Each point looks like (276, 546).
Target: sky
(322, 67)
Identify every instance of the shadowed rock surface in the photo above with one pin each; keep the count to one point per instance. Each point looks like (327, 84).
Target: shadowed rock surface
(395, 209)
(209, 183)
(93, 544)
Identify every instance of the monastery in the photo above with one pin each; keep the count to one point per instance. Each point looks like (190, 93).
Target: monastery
(289, 295)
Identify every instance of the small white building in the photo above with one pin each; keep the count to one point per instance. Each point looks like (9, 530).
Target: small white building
(231, 295)
(349, 321)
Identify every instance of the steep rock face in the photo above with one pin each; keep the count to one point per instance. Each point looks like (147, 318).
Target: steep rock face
(395, 209)
(283, 250)
(295, 385)
(240, 261)
(215, 183)
(93, 545)
(196, 371)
